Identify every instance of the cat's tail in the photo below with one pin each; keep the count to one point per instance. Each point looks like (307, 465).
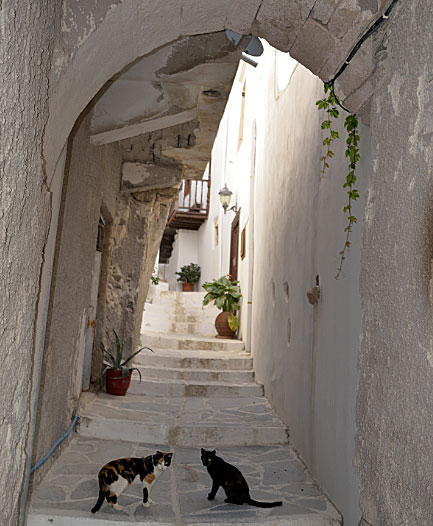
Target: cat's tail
(264, 504)
(99, 502)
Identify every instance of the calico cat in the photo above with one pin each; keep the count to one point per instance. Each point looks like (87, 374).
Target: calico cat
(115, 476)
(232, 481)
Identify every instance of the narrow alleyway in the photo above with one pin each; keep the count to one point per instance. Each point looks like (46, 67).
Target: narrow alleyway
(196, 391)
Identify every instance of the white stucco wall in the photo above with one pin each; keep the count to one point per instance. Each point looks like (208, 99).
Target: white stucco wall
(306, 355)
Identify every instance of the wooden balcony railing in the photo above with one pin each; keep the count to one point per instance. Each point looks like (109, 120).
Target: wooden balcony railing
(190, 208)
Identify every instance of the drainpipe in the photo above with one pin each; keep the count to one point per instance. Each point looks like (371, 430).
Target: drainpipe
(251, 240)
(222, 216)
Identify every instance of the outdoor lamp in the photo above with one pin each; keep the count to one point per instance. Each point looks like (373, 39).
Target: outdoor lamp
(225, 196)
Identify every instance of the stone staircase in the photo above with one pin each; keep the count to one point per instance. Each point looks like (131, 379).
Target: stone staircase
(196, 391)
(179, 313)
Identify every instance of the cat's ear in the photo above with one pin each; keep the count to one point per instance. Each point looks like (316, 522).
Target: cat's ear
(213, 452)
(157, 457)
(203, 450)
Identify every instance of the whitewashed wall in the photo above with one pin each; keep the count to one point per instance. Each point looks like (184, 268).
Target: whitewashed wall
(306, 355)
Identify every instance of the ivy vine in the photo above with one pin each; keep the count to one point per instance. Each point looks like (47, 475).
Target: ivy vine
(329, 104)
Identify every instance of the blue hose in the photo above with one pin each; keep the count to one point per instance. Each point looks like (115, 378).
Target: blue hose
(46, 457)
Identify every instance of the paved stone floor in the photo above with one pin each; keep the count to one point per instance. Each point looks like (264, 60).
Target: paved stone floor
(180, 495)
(184, 411)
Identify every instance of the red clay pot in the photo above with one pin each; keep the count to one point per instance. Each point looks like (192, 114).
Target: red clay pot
(116, 385)
(222, 325)
(187, 287)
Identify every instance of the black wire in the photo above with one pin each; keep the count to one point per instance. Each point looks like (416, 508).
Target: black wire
(355, 49)
(331, 85)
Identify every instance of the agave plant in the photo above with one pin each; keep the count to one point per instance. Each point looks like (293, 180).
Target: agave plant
(116, 361)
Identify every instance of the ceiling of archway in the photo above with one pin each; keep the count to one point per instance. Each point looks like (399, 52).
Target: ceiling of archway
(98, 37)
(165, 108)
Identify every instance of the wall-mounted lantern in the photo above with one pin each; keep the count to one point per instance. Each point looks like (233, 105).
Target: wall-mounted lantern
(225, 196)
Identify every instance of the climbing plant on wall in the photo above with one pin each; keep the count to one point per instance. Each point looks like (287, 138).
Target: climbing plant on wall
(329, 105)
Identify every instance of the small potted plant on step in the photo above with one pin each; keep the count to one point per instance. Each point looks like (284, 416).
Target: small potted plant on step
(117, 372)
(226, 295)
(188, 275)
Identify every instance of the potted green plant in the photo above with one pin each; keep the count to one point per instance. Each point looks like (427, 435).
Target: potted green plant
(117, 372)
(188, 275)
(154, 278)
(226, 295)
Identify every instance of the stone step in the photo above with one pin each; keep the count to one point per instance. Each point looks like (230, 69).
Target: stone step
(183, 298)
(186, 359)
(207, 330)
(195, 421)
(167, 317)
(194, 309)
(180, 388)
(197, 375)
(179, 496)
(176, 341)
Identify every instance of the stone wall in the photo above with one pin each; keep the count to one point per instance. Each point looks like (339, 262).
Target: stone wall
(24, 217)
(91, 183)
(394, 409)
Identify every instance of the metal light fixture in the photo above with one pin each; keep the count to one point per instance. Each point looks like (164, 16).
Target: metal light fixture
(225, 196)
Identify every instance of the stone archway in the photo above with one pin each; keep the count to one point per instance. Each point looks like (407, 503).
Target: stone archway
(318, 34)
(94, 46)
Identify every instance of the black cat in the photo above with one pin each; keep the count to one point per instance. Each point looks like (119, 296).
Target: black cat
(231, 480)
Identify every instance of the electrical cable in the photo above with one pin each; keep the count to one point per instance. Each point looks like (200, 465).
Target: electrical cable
(355, 49)
(46, 457)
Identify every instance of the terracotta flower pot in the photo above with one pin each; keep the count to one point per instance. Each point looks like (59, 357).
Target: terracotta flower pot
(116, 385)
(222, 325)
(187, 287)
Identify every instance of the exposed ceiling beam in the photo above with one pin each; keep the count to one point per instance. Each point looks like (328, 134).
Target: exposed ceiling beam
(147, 126)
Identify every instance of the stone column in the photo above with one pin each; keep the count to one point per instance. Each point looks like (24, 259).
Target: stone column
(138, 229)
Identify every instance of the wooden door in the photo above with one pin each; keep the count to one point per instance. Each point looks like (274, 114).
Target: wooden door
(234, 248)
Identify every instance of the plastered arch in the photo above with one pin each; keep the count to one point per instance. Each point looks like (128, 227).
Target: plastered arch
(101, 39)
(128, 31)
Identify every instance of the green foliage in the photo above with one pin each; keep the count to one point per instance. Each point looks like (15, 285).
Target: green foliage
(233, 322)
(329, 104)
(154, 278)
(115, 360)
(189, 273)
(226, 295)
(352, 152)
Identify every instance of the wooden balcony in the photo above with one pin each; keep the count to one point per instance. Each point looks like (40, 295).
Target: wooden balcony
(190, 208)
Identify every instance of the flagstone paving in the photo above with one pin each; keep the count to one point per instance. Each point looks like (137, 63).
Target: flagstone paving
(180, 494)
(196, 392)
(185, 421)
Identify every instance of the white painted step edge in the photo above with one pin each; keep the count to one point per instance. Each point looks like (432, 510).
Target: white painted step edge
(56, 519)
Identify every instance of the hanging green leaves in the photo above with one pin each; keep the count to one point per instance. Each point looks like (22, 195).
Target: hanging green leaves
(352, 152)
(329, 104)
